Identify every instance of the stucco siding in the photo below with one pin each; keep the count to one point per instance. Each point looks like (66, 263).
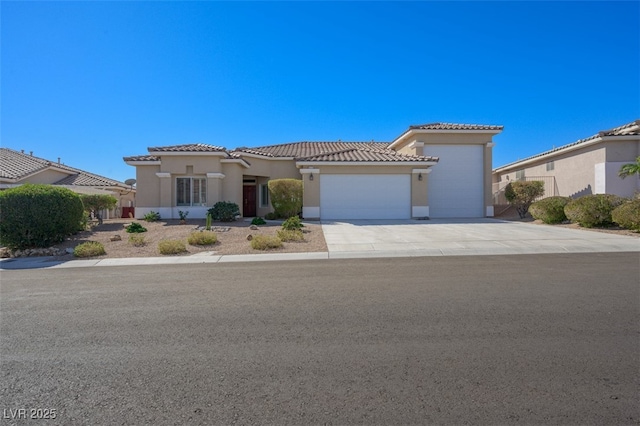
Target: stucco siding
(149, 184)
(44, 177)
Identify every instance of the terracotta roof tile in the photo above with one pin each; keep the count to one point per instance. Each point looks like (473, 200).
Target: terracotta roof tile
(454, 126)
(142, 158)
(192, 147)
(308, 149)
(364, 155)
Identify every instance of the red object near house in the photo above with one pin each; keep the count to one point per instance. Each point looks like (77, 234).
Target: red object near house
(128, 210)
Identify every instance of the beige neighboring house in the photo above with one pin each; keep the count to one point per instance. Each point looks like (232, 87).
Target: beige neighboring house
(17, 168)
(587, 166)
(432, 170)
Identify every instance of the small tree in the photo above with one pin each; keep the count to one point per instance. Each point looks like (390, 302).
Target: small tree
(93, 203)
(286, 196)
(522, 193)
(630, 169)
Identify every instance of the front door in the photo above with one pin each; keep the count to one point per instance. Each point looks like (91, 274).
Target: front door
(249, 201)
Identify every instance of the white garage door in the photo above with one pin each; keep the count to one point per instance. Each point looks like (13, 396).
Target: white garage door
(365, 197)
(456, 183)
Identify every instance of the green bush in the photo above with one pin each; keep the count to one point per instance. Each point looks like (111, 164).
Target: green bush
(593, 210)
(292, 224)
(171, 247)
(258, 221)
(89, 249)
(38, 215)
(550, 210)
(183, 215)
(134, 228)
(137, 240)
(152, 216)
(265, 242)
(290, 235)
(202, 238)
(286, 196)
(93, 203)
(522, 193)
(271, 216)
(224, 211)
(627, 215)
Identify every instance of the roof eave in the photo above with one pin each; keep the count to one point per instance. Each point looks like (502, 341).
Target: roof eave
(364, 163)
(400, 139)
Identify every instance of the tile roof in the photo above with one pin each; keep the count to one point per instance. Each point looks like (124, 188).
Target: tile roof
(628, 129)
(142, 158)
(454, 126)
(16, 165)
(366, 155)
(192, 147)
(309, 149)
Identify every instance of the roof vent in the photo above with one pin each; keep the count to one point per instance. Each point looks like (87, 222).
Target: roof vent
(31, 153)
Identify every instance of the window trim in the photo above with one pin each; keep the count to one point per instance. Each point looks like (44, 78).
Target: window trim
(264, 195)
(202, 193)
(551, 166)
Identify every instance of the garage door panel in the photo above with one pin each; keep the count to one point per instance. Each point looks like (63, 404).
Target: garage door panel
(456, 183)
(365, 196)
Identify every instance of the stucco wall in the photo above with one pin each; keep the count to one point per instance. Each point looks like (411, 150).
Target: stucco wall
(44, 177)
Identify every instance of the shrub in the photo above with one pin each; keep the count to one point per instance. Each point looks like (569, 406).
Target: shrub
(183, 215)
(550, 210)
(627, 215)
(93, 203)
(89, 249)
(258, 221)
(593, 210)
(290, 235)
(271, 216)
(152, 216)
(265, 242)
(286, 196)
(522, 193)
(171, 247)
(292, 224)
(38, 215)
(224, 211)
(202, 238)
(137, 240)
(134, 228)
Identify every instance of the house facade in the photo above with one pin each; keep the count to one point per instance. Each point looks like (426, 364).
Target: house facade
(431, 170)
(18, 168)
(587, 166)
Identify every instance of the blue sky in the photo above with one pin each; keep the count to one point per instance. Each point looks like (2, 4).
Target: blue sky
(91, 82)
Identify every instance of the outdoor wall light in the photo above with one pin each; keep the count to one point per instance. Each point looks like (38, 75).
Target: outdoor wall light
(310, 176)
(419, 176)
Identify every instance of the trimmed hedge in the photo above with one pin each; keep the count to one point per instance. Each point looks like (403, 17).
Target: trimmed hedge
(593, 210)
(627, 215)
(550, 210)
(38, 215)
(224, 211)
(286, 196)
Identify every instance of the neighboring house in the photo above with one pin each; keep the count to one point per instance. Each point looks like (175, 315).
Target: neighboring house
(433, 170)
(587, 166)
(17, 168)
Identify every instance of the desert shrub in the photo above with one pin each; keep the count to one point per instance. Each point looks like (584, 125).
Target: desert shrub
(627, 215)
(134, 228)
(137, 240)
(38, 215)
(258, 221)
(183, 215)
(593, 210)
(202, 238)
(290, 235)
(89, 249)
(550, 210)
(271, 216)
(151, 216)
(286, 196)
(93, 203)
(171, 247)
(292, 224)
(224, 211)
(265, 242)
(522, 193)
(208, 222)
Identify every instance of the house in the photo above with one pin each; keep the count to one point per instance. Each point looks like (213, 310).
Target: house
(17, 168)
(587, 166)
(432, 170)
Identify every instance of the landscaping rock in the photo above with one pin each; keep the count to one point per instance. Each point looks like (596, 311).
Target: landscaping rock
(4, 252)
(253, 227)
(249, 237)
(116, 238)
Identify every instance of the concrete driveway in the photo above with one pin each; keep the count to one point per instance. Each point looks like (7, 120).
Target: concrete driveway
(451, 237)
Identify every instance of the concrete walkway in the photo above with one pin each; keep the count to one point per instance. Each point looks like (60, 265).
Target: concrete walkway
(397, 238)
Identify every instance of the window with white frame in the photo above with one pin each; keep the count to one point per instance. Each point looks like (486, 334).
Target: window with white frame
(264, 195)
(191, 192)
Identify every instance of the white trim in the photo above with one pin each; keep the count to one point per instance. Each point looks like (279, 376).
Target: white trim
(262, 157)
(426, 171)
(215, 176)
(235, 160)
(143, 163)
(366, 163)
(309, 171)
(490, 144)
(310, 212)
(416, 144)
(420, 211)
(163, 174)
(190, 153)
(400, 139)
(165, 212)
(489, 211)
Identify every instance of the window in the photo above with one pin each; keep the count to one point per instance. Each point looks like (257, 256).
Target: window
(264, 195)
(191, 192)
(520, 174)
(550, 166)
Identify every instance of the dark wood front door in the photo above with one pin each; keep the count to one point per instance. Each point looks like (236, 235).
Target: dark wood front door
(249, 201)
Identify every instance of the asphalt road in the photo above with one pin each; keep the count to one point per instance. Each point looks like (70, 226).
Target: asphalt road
(536, 339)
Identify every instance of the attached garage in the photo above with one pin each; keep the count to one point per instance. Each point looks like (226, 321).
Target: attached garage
(355, 196)
(456, 183)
